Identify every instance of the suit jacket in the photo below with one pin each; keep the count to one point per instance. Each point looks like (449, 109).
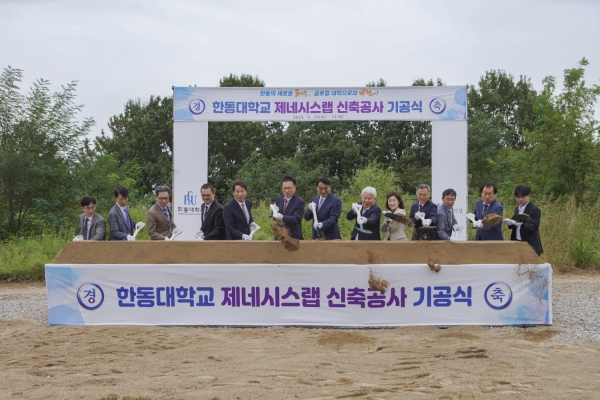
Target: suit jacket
(157, 224)
(430, 211)
(495, 231)
(530, 231)
(373, 216)
(446, 222)
(235, 220)
(213, 225)
(292, 218)
(118, 225)
(395, 229)
(97, 227)
(328, 214)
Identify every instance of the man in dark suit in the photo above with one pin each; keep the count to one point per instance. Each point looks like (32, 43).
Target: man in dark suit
(369, 218)
(486, 206)
(120, 223)
(328, 208)
(93, 226)
(213, 225)
(290, 207)
(237, 214)
(424, 215)
(159, 220)
(526, 231)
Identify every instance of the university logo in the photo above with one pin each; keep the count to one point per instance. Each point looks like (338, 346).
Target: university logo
(498, 295)
(197, 106)
(90, 296)
(189, 199)
(437, 106)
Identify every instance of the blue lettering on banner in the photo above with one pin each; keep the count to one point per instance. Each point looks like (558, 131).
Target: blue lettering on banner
(189, 198)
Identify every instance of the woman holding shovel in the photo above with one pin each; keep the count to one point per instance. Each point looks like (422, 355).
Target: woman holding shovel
(395, 221)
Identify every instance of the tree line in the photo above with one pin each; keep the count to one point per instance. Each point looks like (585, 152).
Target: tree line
(547, 139)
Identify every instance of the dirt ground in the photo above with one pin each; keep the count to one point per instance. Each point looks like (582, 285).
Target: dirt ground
(38, 361)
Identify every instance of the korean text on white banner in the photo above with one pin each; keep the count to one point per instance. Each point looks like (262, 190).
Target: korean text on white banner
(412, 103)
(303, 295)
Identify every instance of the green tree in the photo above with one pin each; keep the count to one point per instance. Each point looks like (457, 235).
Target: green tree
(40, 139)
(143, 135)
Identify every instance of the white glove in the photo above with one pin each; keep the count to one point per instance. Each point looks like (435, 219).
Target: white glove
(312, 206)
(420, 215)
(130, 238)
(478, 224)
(318, 225)
(166, 238)
(426, 222)
(509, 221)
(388, 220)
(139, 225)
(246, 237)
(78, 238)
(253, 225)
(274, 208)
(277, 215)
(202, 239)
(471, 217)
(456, 228)
(454, 239)
(361, 220)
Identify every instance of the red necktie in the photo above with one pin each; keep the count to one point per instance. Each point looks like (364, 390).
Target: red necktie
(245, 212)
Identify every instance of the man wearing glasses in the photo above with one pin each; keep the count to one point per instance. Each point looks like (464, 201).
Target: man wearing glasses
(291, 207)
(213, 226)
(93, 226)
(159, 219)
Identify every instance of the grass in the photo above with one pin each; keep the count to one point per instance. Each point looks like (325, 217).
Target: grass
(569, 233)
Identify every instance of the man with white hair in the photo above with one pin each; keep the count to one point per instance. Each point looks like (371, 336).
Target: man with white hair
(367, 215)
(424, 214)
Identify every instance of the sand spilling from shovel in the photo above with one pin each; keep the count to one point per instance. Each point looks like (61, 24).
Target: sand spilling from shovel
(491, 219)
(283, 235)
(378, 284)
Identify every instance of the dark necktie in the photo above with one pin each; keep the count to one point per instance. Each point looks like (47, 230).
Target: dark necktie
(204, 213)
(127, 218)
(485, 207)
(166, 212)
(85, 229)
(284, 205)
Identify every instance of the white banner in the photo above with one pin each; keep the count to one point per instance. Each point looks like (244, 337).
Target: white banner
(291, 294)
(412, 103)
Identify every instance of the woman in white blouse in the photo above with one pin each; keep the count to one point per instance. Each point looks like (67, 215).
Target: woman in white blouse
(395, 229)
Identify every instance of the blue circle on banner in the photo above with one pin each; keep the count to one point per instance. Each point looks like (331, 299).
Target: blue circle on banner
(197, 106)
(90, 296)
(437, 105)
(498, 295)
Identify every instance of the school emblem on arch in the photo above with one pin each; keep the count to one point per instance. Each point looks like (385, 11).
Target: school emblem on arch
(90, 296)
(437, 105)
(498, 295)
(197, 106)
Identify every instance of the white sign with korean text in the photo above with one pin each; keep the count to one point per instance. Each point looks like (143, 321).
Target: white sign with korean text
(412, 103)
(292, 294)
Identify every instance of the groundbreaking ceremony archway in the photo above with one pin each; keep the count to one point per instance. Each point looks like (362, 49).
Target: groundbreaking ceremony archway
(444, 106)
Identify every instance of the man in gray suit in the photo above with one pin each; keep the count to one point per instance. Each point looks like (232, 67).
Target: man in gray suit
(446, 221)
(159, 219)
(93, 226)
(120, 223)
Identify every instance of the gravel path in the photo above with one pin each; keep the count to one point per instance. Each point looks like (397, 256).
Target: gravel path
(575, 304)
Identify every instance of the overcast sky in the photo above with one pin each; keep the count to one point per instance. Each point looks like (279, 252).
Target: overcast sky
(124, 49)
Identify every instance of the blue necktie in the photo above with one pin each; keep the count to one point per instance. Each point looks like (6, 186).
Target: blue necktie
(166, 211)
(85, 229)
(485, 207)
(127, 218)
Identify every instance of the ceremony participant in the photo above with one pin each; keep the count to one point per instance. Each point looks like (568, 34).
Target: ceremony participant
(237, 214)
(93, 226)
(213, 225)
(446, 221)
(120, 223)
(290, 207)
(486, 206)
(526, 231)
(395, 229)
(424, 214)
(159, 220)
(370, 215)
(328, 208)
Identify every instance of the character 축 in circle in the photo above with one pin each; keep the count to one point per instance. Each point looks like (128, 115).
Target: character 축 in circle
(498, 295)
(437, 105)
